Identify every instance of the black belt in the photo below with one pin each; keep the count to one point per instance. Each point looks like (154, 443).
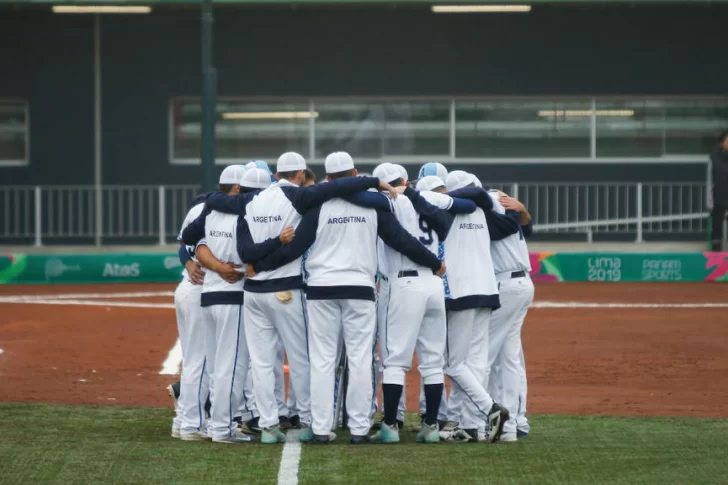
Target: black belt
(408, 274)
(518, 274)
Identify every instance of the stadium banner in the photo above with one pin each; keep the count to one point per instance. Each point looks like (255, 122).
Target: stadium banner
(90, 268)
(556, 267)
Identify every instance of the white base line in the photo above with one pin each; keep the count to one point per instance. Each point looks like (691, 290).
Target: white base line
(580, 304)
(122, 304)
(76, 296)
(70, 299)
(173, 361)
(291, 457)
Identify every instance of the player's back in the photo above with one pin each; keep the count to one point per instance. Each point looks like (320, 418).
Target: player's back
(345, 251)
(511, 253)
(467, 255)
(391, 261)
(267, 215)
(221, 240)
(195, 211)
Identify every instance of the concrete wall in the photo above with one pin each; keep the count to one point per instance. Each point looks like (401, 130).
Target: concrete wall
(316, 51)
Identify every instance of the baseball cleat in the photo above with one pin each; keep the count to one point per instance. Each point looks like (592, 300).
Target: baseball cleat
(306, 434)
(428, 434)
(459, 435)
(386, 434)
(194, 436)
(320, 439)
(250, 426)
(417, 427)
(295, 421)
(237, 436)
(508, 438)
(360, 439)
(447, 428)
(521, 434)
(497, 417)
(272, 435)
(175, 433)
(172, 394)
(284, 422)
(378, 425)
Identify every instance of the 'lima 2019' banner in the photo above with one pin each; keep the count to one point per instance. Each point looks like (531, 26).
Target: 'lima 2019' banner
(166, 268)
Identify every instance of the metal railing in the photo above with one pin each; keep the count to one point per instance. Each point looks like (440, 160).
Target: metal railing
(141, 213)
(636, 208)
(149, 214)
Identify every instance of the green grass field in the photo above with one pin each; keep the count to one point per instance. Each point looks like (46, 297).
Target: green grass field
(58, 444)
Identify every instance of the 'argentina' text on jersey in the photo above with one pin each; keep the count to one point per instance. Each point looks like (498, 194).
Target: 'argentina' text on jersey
(216, 233)
(471, 225)
(276, 218)
(346, 220)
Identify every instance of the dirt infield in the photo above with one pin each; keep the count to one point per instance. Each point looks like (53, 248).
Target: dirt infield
(602, 360)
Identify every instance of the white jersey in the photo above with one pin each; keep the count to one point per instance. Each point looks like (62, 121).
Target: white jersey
(392, 262)
(470, 279)
(509, 254)
(345, 252)
(221, 238)
(191, 216)
(267, 215)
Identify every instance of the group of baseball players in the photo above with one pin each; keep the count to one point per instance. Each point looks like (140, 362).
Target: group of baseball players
(356, 269)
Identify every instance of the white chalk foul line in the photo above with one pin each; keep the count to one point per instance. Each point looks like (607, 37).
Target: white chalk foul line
(76, 296)
(173, 360)
(581, 304)
(291, 457)
(122, 304)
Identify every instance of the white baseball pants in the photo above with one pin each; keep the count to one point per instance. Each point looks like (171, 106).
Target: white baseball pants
(268, 322)
(194, 382)
(228, 353)
(328, 319)
(516, 295)
(247, 409)
(467, 363)
(280, 389)
(409, 327)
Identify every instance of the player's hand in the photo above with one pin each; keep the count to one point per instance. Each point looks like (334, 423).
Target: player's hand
(400, 189)
(385, 187)
(230, 272)
(195, 271)
(441, 272)
(509, 203)
(250, 271)
(287, 235)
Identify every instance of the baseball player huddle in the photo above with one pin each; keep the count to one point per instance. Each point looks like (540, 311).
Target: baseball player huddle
(366, 270)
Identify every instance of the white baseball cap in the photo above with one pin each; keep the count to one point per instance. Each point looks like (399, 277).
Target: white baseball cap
(430, 182)
(477, 181)
(256, 178)
(338, 162)
(458, 179)
(387, 172)
(232, 175)
(497, 206)
(402, 172)
(290, 162)
(433, 168)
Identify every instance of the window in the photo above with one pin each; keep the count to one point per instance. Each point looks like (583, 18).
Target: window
(522, 129)
(245, 130)
(13, 132)
(658, 128)
(380, 129)
(418, 130)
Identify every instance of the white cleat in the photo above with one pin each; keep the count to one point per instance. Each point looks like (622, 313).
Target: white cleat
(175, 433)
(508, 438)
(194, 436)
(237, 436)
